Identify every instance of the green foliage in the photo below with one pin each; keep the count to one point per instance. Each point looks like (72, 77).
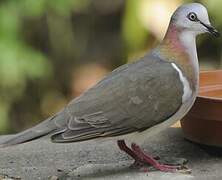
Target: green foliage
(134, 32)
(39, 7)
(18, 61)
(214, 7)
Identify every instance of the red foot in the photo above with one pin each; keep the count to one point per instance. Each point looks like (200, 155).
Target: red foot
(150, 160)
(141, 158)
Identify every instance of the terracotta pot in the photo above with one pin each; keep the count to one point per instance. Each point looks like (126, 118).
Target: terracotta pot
(203, 123)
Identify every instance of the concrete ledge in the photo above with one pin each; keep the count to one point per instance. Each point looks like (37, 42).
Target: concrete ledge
(42, 159)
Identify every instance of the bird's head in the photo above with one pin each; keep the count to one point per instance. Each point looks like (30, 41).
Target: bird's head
(194, 18)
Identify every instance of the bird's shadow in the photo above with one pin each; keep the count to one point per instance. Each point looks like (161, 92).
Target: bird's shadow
(97, 171)
(121, 169)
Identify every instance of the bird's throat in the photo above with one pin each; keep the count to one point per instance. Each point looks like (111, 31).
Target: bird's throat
(180, 45)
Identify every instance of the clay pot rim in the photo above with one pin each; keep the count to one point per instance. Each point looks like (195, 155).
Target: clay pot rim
(216, 99)
(210, 71)
(210, 98)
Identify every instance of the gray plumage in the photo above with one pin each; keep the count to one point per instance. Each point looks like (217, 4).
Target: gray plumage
(134, 97)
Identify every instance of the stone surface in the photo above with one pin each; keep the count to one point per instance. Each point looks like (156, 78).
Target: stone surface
(41, 159)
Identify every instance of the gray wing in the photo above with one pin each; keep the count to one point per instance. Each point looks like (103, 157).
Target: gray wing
(132, 98)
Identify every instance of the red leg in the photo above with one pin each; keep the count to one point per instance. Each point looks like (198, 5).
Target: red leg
(146, 158)
(138, 162)
(122, 145)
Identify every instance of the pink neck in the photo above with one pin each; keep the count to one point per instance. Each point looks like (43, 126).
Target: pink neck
(171, 39)
(174, 50)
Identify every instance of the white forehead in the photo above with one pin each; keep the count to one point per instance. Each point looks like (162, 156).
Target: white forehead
(185, 9)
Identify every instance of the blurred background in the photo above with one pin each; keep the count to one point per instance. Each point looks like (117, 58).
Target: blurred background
(52, 50)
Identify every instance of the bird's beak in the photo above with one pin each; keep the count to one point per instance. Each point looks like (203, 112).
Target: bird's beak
(211, 29)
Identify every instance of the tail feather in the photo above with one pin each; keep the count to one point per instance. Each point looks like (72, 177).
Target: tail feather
(22, 138)
(46, 127)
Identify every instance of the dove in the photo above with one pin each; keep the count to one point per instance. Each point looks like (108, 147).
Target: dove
(136, 100)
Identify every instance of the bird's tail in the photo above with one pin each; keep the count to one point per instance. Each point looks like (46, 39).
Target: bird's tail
(42, 129)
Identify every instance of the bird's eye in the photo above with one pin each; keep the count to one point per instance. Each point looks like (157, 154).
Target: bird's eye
(192, 16)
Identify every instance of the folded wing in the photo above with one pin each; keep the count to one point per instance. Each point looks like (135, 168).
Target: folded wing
(132, 98)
